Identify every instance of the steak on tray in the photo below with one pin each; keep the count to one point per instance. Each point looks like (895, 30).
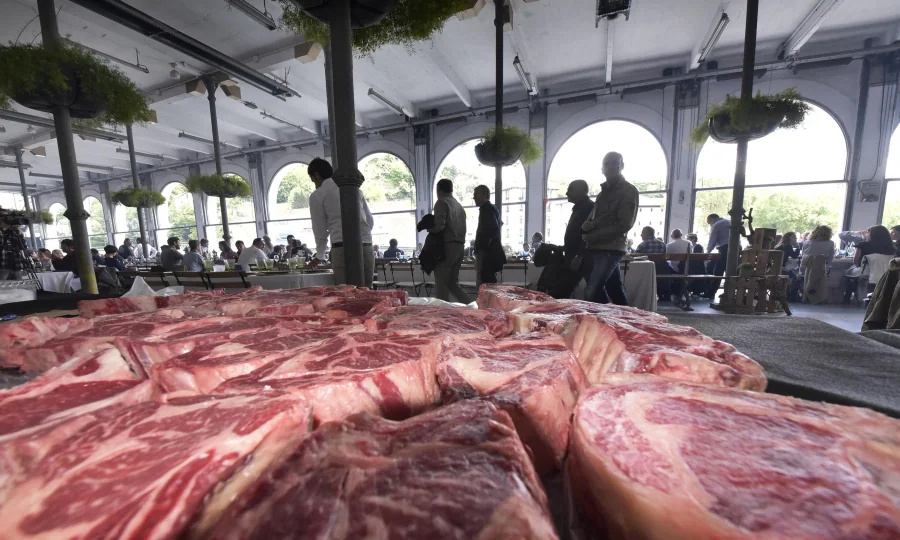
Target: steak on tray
(454, 322)
(457, 472)
(659, 459)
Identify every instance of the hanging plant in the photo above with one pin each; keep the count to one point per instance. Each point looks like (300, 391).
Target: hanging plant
(216, 185)
(40, 77)
(506, 146)
(730, 120)
(409, 21)
(137, 197)
(24, 217)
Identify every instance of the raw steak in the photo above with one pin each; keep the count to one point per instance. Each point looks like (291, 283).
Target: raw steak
(457, 472)
(612, 345)
(508, 297)
(533, 377)
(144, 471)
(455, 322)
(652, 459)
(35, 331)
(207, 365)
(74, 387)
(533, 317)
(354, 372)
(113, 306)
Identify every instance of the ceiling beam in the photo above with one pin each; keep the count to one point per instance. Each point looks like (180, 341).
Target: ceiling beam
(373, 77)
(807, 28)
(439, 61)
(42, 121)
(703, 47)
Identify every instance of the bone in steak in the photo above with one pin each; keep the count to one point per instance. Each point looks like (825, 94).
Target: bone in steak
(533, 377)
(508, 297)
(612, 345)
(133, 304)
(657, 459)
(144, 471)
(528, 318)
(457, 472)
(457, 323)
(354, 372)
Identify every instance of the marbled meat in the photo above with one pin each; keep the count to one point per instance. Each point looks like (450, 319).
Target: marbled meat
(657, 459)
(508, 297)
(454, 322)
(457, 472)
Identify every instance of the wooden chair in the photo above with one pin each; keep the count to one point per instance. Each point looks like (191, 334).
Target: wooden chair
(403, 269)
(157, 280)
(230, 281)
(191, 281)
(382, 265)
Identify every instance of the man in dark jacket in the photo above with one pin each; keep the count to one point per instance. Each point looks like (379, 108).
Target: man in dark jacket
(489, 255)
(577, 257)
(605, 232)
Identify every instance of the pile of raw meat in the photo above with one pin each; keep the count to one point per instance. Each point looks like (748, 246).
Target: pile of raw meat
(338, 412)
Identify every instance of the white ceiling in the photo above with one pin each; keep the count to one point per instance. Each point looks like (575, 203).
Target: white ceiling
(556, 39)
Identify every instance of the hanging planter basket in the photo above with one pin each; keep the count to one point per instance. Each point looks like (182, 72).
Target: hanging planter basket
(22, 217)
(732, 120)
(137, 198)
(215, 185)
(375, 22)
(42, 77)
(505, 146)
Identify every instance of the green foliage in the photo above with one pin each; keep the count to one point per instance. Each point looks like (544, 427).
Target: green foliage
(214, 185)
(299, 198)
(30, 68)
(137, 197)
(408, 22)
(464, 183)
(388, 179)
(512, 141)
(181, 208)
(787, 106)
(292, 180)
(32, 216)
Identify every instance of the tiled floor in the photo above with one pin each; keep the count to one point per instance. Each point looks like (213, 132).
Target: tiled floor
(846, 316)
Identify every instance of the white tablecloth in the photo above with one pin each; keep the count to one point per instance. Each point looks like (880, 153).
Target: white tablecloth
(58, 282)
(292, 281)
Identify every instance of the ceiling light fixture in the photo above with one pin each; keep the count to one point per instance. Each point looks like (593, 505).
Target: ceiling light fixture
(264, 114)
(159, 157)
(204, 140)
(250, 105)
(174, 75)
(40, 151)
(102, 168)
(712, 37)
(30, 129)
(807, 28)
(385, 102)
(137, 65)
(524, 76)
(262, 17)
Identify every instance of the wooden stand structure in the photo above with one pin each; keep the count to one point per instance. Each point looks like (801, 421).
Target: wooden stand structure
(759, 287)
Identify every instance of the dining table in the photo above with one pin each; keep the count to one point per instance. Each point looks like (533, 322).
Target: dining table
(291, 280)
(57, 282)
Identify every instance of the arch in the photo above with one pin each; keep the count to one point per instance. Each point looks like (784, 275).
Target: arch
(59, 229)
(390, 191)
(796, 179)
(890, 215)
(96, 224)
(461, 166)
(381, 145)
(646, 167)
(288, 195)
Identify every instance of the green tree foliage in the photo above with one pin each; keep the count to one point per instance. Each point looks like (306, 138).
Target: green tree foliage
(464, 183)
(131, 219)
(296, 178)
(181, 208)
(300, 197)
(388, 179)
(96, 224)
(63, 227)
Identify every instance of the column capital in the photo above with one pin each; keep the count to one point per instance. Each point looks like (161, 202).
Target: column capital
(348, 176)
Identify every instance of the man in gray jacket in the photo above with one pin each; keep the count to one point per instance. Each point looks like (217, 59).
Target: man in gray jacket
(613, 216)
(450, 221)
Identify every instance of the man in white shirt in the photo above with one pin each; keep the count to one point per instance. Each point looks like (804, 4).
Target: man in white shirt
(253, 254)
(678, 246)
(325, 211)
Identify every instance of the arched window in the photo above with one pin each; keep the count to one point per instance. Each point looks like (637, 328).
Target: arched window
(176, 217)
(96, 225)
(466, 172)
(289, 205)
(891, 214)
(127, 226)
(59, 229)
(241, 220)
(390, 191)
(581, 158)
(795, 178)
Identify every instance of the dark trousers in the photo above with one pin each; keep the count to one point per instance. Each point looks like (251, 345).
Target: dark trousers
(718, 269)
(605, 283)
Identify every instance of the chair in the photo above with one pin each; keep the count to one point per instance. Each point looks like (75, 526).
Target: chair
(191, 281)
(513, 267)
(382, 265)
(229, 281)
(874, 267)
(156, 280)
(468, 267)
(402, 268)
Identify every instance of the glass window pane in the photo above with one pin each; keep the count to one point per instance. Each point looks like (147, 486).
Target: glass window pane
(401, 226)
(239, 231)
(466, 172)
(126, 218)
(892, 203)
(60, 228)
(788, 209)
(11, 200)
(178, 212)
(96, 225)
(300, 228)
(289, 193)
(183, 234)
(389, 184)
(893, 162)
(240, 209)
(816, 151)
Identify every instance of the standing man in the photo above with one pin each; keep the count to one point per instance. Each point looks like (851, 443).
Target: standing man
(718, 239)
(325, 211)
(536, 240)
(12, 251)
(125, 250)
(577, 257)
(489, 254)
(605, 232)
(450, 222)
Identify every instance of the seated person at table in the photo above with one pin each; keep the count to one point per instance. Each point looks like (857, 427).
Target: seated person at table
(45, 259)
(193, 260)
(678, 246)
(98, 260)
(253, 254)
(526, 250)
(393, 252)
(68, 262)
(225, 251)
(126, 250)
(819, 243)
(378, 253)
(170, 258)
(112, 260)
(650, 243)
(536, 240)
(879, 243)
(238, 249)
(789, 246)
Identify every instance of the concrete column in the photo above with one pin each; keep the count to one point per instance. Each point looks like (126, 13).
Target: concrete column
(536, 177)
(258, 191)
(200, 210)
(422, 173)
(146, 182)
(683, 156)
(109, 212)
